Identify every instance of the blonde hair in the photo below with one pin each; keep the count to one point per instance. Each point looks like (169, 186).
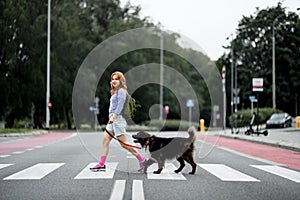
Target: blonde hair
(120, 76)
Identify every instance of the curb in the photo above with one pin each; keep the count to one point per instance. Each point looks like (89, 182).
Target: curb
(32, 133)
(263, 142)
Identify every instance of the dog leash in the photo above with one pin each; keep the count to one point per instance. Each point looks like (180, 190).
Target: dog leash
(129, 145)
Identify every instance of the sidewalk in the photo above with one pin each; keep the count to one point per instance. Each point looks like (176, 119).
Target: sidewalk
(288, 138)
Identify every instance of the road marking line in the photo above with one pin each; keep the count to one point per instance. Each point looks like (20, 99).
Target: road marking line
(280, 171)
(137, 190)
(35, 172)
(86, 173)
(4, 165)
(131, 156)
(166, 174)
(118, 190)
(4, 156)
(18, 152)
(226, 173)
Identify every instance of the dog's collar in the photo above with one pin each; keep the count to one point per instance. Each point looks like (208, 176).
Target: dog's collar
(147, 143)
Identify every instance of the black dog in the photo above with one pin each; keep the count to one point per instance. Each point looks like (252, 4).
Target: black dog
(168, 148)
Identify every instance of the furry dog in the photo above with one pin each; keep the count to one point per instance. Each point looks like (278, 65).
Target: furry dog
(167, 148)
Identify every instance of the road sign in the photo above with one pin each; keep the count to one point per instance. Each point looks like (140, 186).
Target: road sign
(224, 72)
(167, 108)
(91, 108)
(236, 91)
(236, 100)
(251, 98)
(190, 103)
(257, 84)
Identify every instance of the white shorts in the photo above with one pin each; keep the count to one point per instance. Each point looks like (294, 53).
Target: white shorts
(118, 127)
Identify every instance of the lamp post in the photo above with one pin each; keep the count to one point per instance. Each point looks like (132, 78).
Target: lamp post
(273, 62)
(48, 69)
(232, 77)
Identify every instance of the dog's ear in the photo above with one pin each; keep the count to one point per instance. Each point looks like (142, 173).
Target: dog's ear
(143, 134)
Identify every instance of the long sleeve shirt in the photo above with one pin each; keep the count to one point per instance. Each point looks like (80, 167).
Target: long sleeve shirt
(117, 102)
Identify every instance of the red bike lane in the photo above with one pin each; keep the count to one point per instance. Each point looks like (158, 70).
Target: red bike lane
(7, 148)
(289, 158)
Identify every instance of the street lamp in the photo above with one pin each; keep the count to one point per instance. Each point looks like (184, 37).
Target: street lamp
(273, 62)
(232, 68)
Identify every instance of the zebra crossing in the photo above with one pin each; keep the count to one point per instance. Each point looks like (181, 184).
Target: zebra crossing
(221, 171)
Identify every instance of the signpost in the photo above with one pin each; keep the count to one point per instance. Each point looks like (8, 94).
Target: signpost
(252, 99)
(190, 103)
(96, 111)
(224, 95)
(257, 86)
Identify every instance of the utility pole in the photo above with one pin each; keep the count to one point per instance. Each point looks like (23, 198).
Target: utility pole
(161, 93)
(48, 68)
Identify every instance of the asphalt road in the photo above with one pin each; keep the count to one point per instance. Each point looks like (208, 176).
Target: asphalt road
(58, 169)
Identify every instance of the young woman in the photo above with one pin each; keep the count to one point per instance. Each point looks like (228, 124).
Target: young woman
(117, 124)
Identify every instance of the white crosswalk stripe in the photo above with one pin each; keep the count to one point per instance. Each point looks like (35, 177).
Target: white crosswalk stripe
(86, 173)
(166, 174)
(35, 172)
(280, 171)
(226, 173)
(118, 190)
(137, 190)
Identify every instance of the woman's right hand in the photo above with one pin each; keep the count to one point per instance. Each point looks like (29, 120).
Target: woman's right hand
(111, 120)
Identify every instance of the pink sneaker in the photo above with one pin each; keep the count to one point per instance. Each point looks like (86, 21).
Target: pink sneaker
(97, 168)
(141, 165)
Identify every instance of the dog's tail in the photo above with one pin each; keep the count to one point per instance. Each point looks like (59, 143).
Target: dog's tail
(192, 133)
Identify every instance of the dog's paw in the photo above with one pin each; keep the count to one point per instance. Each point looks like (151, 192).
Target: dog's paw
(158, 171)
(176, 171)
(192, 173)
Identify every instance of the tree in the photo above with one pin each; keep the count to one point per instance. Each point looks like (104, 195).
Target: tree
(253, 56)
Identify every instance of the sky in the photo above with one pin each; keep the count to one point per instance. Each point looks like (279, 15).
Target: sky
(206, 22)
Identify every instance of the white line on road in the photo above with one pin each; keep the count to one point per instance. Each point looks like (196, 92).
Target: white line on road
(226, 173)
(4, 156)
(4, 165)
(166, 174)
(280, 171)
(35, 172)
(118, 190)
(18, 152)
(86, 173)
(137, 190)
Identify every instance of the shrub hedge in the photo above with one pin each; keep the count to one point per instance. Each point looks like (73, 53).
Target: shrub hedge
(244, 116)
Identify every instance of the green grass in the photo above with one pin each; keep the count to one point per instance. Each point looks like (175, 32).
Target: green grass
(16, 130)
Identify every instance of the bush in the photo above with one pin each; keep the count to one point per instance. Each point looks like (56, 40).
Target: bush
(243, 117)
(171, 125)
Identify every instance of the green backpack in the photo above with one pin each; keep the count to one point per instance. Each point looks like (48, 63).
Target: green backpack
(130, 107)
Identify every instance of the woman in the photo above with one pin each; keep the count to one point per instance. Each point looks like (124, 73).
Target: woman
(116, 124)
